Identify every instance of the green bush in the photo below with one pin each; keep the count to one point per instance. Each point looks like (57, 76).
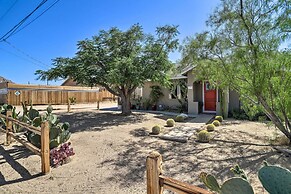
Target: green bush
(179, 118)
(170, 122)
(156, 129)
(203, 136)
(216, 123)
(210, 127)
(219, 118)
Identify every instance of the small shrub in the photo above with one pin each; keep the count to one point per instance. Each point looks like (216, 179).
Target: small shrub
(170, 122)
(219, 118)
(203, 136)
(60, 156)
(156, 129)
(179, 118)
(216, 123)
(210, 127)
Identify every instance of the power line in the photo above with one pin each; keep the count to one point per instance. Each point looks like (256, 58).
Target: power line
(36, 17)
(27, 55)
(11, 53)
(11, 31)
(8, 10)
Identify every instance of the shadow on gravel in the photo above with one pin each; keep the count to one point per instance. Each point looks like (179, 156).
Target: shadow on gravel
(98, 121)
(11, 156)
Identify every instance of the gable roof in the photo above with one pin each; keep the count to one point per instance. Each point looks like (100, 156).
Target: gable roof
(3, 79)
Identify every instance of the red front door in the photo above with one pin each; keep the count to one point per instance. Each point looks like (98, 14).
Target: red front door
(209, 97)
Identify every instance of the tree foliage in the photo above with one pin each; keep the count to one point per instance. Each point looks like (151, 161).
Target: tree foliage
(242, 51)
(118, 60)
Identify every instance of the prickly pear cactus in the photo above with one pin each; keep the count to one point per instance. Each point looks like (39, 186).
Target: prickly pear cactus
(275, 179)
(210, 181)
(32, 113)
(49, 109)
(236, 186)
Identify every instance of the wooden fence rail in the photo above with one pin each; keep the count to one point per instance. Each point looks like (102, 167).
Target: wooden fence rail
(157, 183)
(43, 152)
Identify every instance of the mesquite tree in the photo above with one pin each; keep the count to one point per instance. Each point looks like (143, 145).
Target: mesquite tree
(243, 51)
(119, 60)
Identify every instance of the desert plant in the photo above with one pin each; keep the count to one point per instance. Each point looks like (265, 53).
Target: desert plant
(156, 129)
(275, 180)
(203, 136)
(72, 100)
(179, 118)
(210, 127)
(59, 132)
(170, 122)
(235, 185)
(59, 156)
(219, 118)
(216, 123)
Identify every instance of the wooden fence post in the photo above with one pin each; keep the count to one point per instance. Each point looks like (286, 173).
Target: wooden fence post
(154, 170)
(69, 105)
(98, 105)
(45, 148)
(8, 127)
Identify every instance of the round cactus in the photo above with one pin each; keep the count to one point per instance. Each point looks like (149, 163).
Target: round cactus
(210, 127)
(156, 129)
(179, 118)
(219, 118)
(216, 123)
(203, 136)
(170, 122)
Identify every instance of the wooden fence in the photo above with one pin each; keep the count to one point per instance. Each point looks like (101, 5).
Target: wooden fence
(157, 183)
(14, 94)
(43, 152)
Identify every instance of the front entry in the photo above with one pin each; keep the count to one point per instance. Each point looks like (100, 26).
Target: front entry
(209, 97)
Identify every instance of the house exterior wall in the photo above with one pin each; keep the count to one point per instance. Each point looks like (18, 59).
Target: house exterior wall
(69, 82)
(165, 100)
(193, 95)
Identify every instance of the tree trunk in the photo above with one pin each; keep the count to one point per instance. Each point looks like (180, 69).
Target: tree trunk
(125, 103)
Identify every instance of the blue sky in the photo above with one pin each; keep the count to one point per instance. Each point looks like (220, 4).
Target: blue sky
(56, 33)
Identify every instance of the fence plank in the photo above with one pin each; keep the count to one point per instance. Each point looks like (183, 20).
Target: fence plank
(154, 169)
(45, 150)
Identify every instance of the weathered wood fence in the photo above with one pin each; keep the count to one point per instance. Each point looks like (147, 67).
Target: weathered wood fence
(157, 183)
(14, 94)
(43, 152)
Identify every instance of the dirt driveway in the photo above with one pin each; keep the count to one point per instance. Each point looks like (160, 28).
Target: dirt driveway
(111, 152)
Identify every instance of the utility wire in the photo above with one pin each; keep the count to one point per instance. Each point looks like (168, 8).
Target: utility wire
(36, 17)
(26, 59)
(11, 31)
(27, 55)
(8, 10)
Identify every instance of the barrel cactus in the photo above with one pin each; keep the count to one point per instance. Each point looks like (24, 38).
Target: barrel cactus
(156, 129)
(216, 123)
(203, 136)
(179, 118)
(170, 122)
(210, 127)
(219, 118)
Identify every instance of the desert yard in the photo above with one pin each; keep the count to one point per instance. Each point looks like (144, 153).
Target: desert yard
(111, 152)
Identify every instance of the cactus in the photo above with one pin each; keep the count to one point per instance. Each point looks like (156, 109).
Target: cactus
(237, 171)
(210, 127)
(170, 122)
(203, 136)
(275, 179)
(216, 123)
(179, 118)
(49, 109)
(219, 118)
(59, 132)
(156, 129)
(235, 185)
